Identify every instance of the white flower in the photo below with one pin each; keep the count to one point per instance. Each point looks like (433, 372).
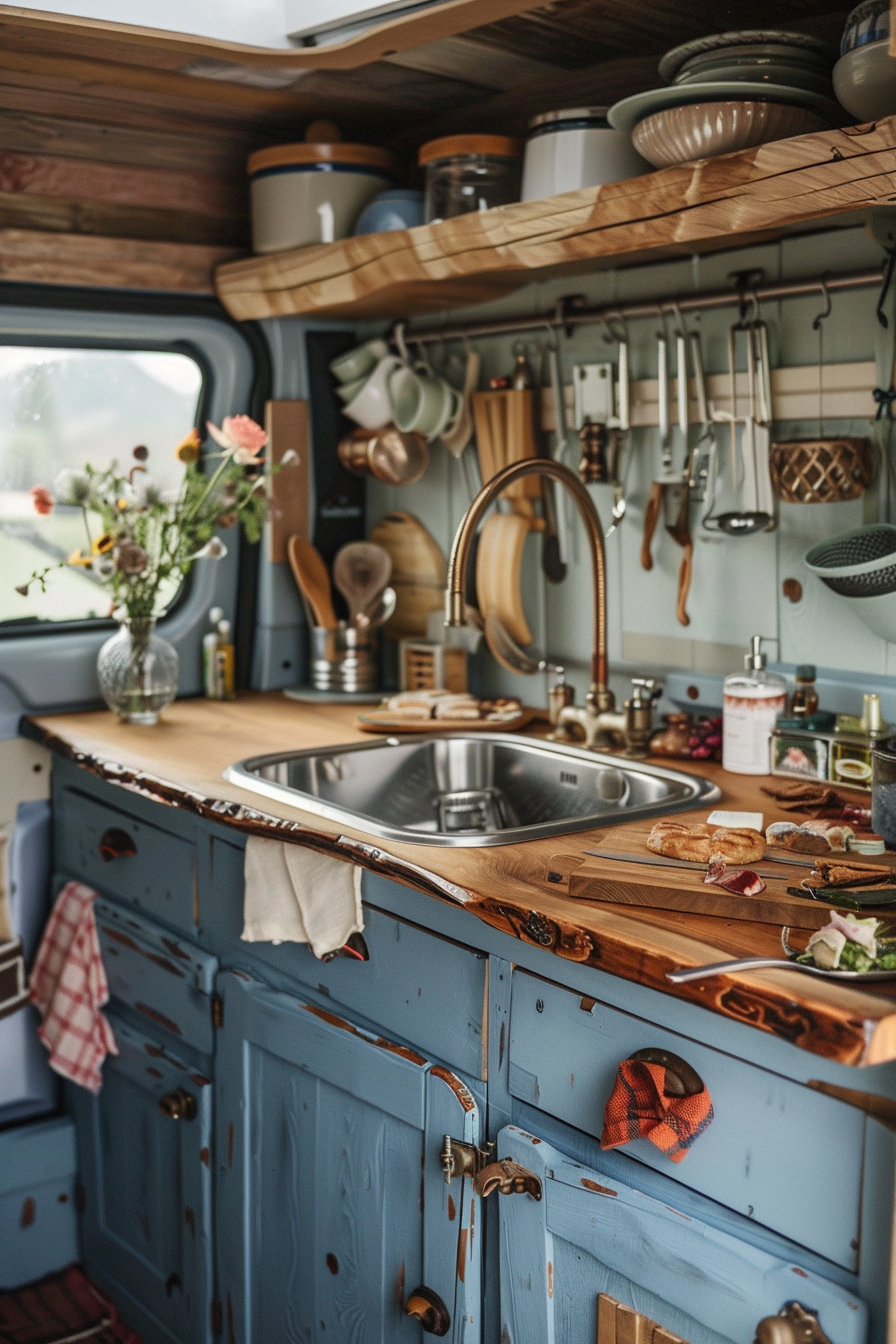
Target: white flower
(72, 487)
(289, 458)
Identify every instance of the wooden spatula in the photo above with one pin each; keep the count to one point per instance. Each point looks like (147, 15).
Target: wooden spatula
(310, 574)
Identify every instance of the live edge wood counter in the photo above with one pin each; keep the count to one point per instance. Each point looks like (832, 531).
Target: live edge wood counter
(180, 763)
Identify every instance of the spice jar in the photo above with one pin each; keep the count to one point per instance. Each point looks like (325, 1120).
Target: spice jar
(468, 173)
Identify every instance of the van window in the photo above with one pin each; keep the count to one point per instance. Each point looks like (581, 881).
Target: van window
(61, 408)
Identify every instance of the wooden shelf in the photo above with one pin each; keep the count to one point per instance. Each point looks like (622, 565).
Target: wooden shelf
(712, 204)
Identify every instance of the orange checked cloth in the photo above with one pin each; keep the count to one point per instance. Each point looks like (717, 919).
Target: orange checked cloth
(639, 1109)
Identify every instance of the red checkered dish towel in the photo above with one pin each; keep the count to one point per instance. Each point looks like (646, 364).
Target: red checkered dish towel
(68, 987)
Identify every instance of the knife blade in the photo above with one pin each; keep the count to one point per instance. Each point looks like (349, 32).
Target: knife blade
(661, 861)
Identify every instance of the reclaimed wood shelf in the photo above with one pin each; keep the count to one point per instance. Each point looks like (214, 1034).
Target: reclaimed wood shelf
(718, 203)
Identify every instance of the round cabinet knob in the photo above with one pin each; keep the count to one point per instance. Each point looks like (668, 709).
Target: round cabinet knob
(179, 1105)
(429, 1309)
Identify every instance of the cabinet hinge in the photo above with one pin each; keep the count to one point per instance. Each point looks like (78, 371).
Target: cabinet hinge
(217, 1317)
(505, 1176)
(217, 1011)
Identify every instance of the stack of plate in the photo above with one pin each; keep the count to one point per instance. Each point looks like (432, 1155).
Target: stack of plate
(865, 75)
(731, 91)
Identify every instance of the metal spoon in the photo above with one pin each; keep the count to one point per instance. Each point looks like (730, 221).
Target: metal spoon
(378, 611)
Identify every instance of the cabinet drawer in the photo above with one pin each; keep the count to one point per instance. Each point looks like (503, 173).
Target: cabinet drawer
(122, 856)
(417, 986)
(164, 979)
(761, 1154)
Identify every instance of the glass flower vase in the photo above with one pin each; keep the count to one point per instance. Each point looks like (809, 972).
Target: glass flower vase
(137, 671)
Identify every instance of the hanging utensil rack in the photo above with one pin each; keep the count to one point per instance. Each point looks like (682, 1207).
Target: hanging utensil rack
(571, 312)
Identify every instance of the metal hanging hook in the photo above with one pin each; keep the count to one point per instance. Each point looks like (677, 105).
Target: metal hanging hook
(822, 284)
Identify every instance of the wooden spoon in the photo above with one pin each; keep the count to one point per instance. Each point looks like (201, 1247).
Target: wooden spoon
(310, 574)
(361, 571)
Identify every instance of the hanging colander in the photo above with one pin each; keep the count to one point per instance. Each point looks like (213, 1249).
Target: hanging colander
(861, 563)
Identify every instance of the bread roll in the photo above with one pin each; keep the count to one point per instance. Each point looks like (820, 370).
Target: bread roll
(699, 842)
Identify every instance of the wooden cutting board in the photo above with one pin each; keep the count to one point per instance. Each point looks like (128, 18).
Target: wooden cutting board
(669, 888)
(419, 573)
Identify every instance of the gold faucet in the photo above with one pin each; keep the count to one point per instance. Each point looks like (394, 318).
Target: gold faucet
(597, 718)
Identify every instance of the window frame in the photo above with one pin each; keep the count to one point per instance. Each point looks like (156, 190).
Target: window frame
(52, 666)
(47, 629)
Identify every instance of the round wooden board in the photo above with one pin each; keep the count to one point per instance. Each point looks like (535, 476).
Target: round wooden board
(419, 573)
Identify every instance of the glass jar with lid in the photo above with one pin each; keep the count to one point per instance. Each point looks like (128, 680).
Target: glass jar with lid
(468, 173)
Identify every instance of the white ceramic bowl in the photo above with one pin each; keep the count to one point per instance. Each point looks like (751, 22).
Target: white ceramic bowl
(704, 130)
(865, 81)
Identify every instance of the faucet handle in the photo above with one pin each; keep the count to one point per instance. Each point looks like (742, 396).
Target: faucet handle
(645, 690)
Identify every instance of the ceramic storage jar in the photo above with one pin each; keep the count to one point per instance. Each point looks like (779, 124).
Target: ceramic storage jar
(576, 148)
(312, 193)
(467, 173)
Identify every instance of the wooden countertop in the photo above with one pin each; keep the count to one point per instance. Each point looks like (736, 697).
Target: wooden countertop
(180, 763)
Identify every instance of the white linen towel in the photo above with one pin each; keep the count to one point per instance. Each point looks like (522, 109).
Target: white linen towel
(295, 895)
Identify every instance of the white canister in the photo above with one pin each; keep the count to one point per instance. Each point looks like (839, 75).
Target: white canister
(576, 148)
(312, 193)
(752, 701)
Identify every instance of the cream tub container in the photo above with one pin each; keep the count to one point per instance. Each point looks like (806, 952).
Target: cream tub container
(576, 148)
(312, 193)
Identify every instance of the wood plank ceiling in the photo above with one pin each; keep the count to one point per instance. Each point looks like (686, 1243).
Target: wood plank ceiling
(134, 144)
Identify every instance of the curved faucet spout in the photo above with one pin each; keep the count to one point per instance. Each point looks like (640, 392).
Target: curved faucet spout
(455, 610)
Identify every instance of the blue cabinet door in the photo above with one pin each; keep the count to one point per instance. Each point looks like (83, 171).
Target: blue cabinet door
(147, 1181)
(590, 1235)
(331, 1204)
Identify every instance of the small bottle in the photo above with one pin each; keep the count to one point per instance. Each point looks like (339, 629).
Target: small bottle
(209, 655)
(805, 697)
(753, 699)
(224, 663)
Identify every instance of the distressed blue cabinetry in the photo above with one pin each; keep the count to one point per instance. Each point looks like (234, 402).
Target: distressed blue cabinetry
(332, 1208)
(147, 1188)
(590, 1234)
(306, 1201)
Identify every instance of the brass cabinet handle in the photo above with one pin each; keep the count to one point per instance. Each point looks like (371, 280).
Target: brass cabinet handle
(116, 844)
(428, 1308)
(179, 1105)
(794, 1324)
(682, 1080)
(507, 1178)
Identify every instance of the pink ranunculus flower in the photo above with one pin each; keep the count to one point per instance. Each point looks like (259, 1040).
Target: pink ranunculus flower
(240, 436)
(43, 500)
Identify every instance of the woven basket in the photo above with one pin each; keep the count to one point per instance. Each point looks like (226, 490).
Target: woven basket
(821, 471)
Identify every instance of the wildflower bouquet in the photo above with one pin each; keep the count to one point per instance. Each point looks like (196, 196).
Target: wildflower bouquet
(147, 538)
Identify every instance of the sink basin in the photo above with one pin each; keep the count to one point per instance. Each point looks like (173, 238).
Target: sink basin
(474, 789)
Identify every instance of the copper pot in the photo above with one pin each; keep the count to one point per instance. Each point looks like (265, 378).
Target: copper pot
(389, 454)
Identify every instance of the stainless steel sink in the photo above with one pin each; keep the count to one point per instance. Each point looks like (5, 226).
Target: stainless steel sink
(478, 789)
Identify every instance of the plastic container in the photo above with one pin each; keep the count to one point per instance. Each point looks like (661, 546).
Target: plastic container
(469, 173)
(753, 699)
(883, 791)
(312, 193)
(576, 148)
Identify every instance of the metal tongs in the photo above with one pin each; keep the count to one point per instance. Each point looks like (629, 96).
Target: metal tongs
(749, 468)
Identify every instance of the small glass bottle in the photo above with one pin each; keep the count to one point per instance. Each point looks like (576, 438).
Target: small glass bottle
(805, 697)
(753, 699)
